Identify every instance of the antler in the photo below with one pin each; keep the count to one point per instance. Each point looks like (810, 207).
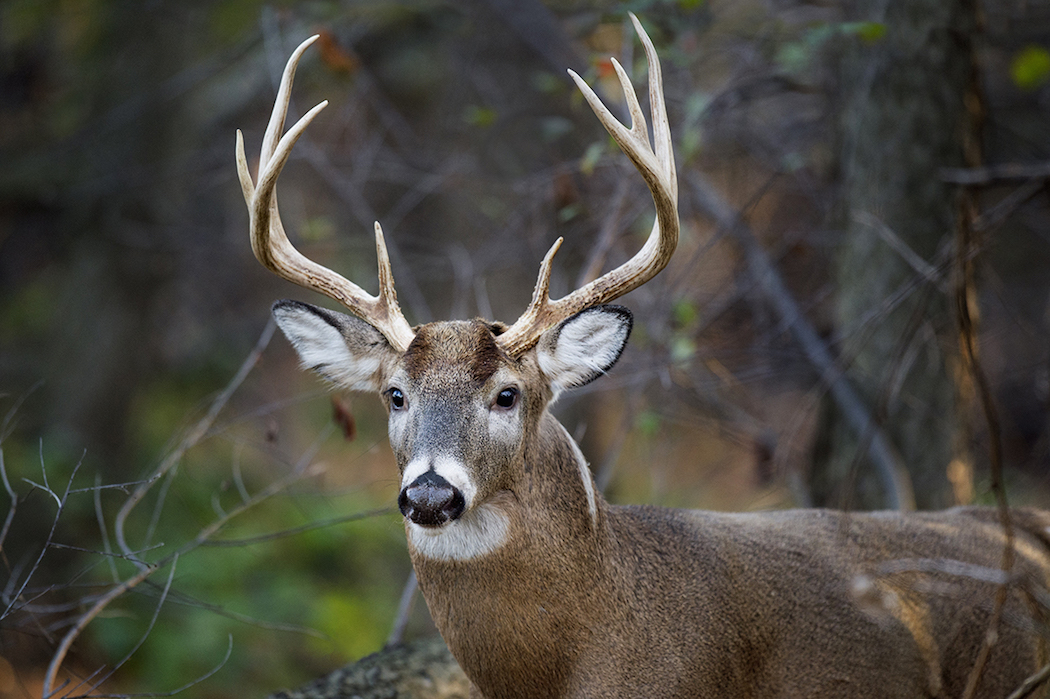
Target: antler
(657, 167)
(271, 244)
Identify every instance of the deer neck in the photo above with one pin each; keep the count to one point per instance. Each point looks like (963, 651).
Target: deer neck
(528, 600)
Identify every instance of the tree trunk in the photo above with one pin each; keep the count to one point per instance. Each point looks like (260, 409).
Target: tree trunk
(904, 118)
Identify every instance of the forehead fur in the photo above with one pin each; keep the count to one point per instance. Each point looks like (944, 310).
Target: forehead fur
(464, 347)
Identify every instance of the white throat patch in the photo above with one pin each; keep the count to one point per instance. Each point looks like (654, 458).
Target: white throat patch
(478, 532)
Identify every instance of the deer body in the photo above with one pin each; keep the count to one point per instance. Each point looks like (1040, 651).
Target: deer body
(542, 589)
(682, 604)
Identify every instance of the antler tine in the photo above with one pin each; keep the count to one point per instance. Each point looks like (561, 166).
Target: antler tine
(271, 245)
(656, 165)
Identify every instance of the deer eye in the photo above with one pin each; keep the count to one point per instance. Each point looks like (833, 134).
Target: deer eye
(507, 398)
(397, 399)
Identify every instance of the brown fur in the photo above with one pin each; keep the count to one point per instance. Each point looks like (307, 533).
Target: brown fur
(454, 344)
(584, 599)
(655, 602)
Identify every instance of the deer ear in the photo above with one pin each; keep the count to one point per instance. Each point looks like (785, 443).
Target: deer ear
(582, 348)
(343, 349)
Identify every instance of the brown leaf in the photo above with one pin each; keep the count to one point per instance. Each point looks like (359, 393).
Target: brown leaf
(335, 56)
(344, 418)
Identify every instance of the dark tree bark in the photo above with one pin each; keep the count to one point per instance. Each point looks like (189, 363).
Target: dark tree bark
(904, 118)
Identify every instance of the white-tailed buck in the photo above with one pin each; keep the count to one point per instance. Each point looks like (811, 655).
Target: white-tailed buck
(543, 589)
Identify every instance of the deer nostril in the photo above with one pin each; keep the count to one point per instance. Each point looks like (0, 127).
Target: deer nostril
(430, 500)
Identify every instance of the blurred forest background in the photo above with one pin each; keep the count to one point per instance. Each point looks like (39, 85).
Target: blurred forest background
(856, 316)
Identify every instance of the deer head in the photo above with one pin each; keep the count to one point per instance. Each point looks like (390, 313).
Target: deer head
(465, 398)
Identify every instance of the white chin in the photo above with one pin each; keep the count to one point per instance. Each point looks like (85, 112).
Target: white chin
(479, 532)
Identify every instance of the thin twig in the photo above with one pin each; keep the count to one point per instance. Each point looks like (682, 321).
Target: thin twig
(47, 543)
(890, 237)
(178, 690)
(890, 468)
(192, 437)
(67, 641)
(993, 173)
(145, 572)
(185, 600)
(149, 627)
(198, 431)
(404, 608)
(1031, 684)
(607, 235)
(972, 366)
(10, 513)
(293, 531)
(997, 214)
(8, 423)
(103, 532)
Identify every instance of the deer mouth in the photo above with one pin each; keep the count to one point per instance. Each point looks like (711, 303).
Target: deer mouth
(431, 501)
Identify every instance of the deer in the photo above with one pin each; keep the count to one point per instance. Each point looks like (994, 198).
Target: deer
(541, 588)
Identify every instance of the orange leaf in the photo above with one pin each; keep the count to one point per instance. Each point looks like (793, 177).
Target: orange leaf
(344, 418)
(335, 56)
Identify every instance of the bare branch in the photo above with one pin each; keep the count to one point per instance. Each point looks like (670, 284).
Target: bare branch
(1030, 685)
(302, 529)
(192, 437)
(178, 690)
(892, 473)
(11, 512)
(912, 258)
(47, 543)
(994, 173)
(149, 627)
(404, 608)
(67, 641)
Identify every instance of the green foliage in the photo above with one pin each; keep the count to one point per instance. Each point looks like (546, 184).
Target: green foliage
(318, 229)
(569, 212)
(27, 314)
(338, 585)
(869, 32)
(230, 18)
(352, 623)
(682, 349)
(1030, 67)
(306, 602)
(683, 345)
(651, 7)
(648, 423)
(797, 56)
(692, 135)
(592, 156)
(479, 116)
(685, 313)
(547, 83)
(555, 127)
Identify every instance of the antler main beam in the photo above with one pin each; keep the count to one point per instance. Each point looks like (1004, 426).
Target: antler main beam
(656, 164)
(271, 244)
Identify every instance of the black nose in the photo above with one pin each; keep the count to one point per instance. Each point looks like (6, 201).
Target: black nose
(430, 500)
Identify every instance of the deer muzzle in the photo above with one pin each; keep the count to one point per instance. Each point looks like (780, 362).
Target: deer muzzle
(431, 501)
